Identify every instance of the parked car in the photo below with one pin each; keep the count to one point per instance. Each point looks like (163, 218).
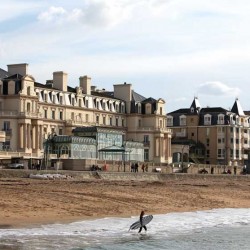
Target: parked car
(16, 166)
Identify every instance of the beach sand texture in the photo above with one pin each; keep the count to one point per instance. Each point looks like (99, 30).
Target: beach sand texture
(26, 202)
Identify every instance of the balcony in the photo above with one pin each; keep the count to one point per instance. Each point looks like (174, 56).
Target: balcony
(8, 132)
(80, 123)
(15, 113)
(2, 136)
(146, 144)
(30, 114)
(153, 129)
(9, 113)
(181, 134)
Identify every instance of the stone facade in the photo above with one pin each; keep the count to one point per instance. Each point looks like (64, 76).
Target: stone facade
(30, 112)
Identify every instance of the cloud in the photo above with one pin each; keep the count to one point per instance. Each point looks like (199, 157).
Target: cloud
(93, 13)
(218, 89)
(53, 14)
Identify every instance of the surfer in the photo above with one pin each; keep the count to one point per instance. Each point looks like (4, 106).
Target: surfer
(141, 217)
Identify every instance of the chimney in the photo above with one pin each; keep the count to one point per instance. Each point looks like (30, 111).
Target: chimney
(21, 69)
(85, 83)
(60, 80)
(123, 91)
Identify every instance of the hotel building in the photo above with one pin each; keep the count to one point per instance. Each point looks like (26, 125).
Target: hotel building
(210, 135)
(30, 112)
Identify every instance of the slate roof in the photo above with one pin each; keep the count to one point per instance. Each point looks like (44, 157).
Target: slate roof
(237, 109)
(137, 97)
(149, 100)
(214, 110)
(13, 77)
(3, 74)
(180, 111)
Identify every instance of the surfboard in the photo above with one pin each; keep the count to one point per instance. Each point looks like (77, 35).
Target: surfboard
(145, 221)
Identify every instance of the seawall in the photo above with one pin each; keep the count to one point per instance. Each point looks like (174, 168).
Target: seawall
(120, 176)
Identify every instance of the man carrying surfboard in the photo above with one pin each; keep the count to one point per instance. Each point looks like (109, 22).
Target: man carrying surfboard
(141, 221)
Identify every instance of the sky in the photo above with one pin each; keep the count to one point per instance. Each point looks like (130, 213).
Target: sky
(170, 49)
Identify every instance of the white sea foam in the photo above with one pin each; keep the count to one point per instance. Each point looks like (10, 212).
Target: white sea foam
(107, 230)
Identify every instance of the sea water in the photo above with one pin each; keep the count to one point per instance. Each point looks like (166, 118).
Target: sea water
(213, 229)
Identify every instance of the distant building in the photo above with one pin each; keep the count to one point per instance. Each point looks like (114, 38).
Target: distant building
(30, 112)
(211, 135)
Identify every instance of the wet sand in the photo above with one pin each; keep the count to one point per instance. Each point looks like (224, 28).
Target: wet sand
(27, 202)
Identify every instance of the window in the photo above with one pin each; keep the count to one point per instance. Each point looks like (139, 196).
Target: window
(60, 131)
(97, 105)
(232, 140)
(207, 120)
(117, 107)
(61, 100)
(192, 134)
(221, 140)
(220, 119)
(161, 124)
(110, 107)
(123, 123)
(28, 107)
(6, 125)
(183, 121)
(116, 121)
(220, 153)
(53, 114)
(61, 115)
(87, 117)
(237, 153)
(104, 120)
(72, 115)
(148, 108)
(45, 113)
(208, 153)
(87, 103)
(207, 142)
(139, 123)
(97, 119)
(110, 121)
(139, 108)
(170, 121)
(28, 90)
(146, 138)
(146, 154)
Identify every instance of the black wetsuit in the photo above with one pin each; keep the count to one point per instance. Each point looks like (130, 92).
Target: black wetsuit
(141, 216)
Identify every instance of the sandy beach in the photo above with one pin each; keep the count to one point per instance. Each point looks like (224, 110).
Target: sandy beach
(27, 202)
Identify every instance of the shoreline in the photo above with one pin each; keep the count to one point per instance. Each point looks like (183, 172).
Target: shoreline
(29, 203)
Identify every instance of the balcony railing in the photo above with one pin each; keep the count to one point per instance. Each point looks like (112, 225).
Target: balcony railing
(146, 143)
(77, 123)
(152, 128)
(15, 113)
(8, 132)
(10, 154)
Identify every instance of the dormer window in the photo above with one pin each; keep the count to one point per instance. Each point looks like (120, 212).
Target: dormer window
(139, 108)
(169, 121)
(192, 110)
(183, 120)
(220, 119)
(148, 108)
(207, 119)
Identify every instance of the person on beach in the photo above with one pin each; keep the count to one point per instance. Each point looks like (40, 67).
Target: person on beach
(141, 217)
